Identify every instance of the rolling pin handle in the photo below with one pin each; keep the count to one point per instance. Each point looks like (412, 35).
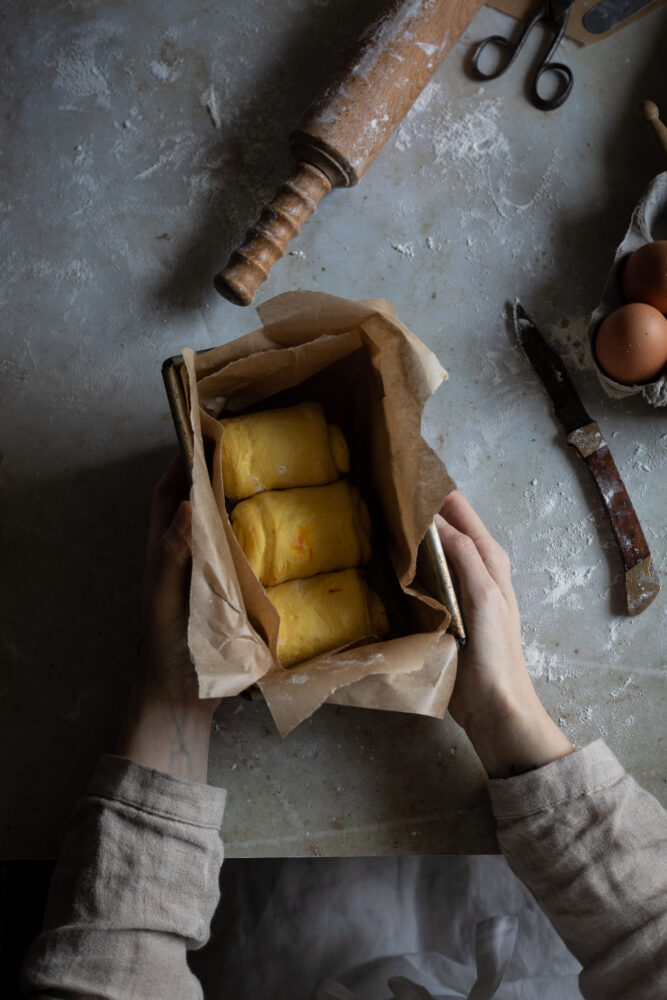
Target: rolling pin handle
(267, 241)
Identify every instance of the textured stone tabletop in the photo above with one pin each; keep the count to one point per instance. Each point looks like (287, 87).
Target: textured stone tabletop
(139, 142)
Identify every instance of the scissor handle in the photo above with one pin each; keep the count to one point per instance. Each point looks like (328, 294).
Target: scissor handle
(511, 48)
(542, 11)
(565, 80)
(499, 43)
(563, 73)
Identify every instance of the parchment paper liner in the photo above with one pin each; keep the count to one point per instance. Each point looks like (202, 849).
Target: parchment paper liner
(648, 223)
(233, 626)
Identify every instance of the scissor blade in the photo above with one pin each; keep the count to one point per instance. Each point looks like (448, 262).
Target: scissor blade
(569, 408)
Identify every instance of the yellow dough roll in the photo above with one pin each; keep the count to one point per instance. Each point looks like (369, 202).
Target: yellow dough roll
(325, 612)
(278, 449)
(287, 534)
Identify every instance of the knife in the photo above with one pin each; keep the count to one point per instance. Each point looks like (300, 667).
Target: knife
(641, 580)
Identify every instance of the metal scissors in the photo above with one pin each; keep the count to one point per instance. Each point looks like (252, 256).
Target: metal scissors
(556, 14)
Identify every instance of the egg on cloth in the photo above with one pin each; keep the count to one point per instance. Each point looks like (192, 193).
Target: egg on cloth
(644, 275)
(631, 343)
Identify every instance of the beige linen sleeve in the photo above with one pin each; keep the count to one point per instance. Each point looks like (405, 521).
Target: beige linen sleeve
(135, 887)
(591, 846)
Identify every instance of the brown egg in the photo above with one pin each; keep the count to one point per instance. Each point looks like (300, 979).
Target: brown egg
(631, 343)
(644, 275)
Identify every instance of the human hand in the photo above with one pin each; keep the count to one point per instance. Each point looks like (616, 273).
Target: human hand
(165, 670)
(167, 725)
(494, 699)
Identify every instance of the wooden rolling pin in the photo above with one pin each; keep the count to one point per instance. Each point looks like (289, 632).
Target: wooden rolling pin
(341, 133)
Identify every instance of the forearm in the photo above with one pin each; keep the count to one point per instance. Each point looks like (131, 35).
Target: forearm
(516, 734)
(166, 734)
(137, 881)
(574, 827)
(135, 887)
(590, 845)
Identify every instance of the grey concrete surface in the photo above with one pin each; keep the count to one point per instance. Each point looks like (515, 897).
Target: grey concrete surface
(121, 195)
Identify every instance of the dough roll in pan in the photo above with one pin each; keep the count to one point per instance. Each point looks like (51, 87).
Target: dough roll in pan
(289, 534)
(325, 612)
(279, 449)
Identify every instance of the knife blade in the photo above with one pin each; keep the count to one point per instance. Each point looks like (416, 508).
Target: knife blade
(642, 585)
(610, 13)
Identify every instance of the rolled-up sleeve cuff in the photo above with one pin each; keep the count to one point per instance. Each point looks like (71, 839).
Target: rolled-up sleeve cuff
(123, 780)
(580, 773)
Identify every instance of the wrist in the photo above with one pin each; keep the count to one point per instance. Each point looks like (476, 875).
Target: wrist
(168, 735)
(160, 703)
(515, 734)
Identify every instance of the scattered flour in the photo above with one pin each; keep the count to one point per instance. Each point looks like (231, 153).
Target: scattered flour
(407, 249)
(209, 100)
(541, 662)
(621, 689)
(163, 71)
(570, 339)
(563, 583)
(77, 73)
(475, 136)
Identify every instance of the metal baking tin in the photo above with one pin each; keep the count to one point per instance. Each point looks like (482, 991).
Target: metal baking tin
(432, 565)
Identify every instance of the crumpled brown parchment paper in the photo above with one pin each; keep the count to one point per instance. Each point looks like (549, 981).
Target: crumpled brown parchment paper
(374, 378)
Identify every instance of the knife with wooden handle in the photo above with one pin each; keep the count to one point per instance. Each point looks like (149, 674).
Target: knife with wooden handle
(641, 580)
